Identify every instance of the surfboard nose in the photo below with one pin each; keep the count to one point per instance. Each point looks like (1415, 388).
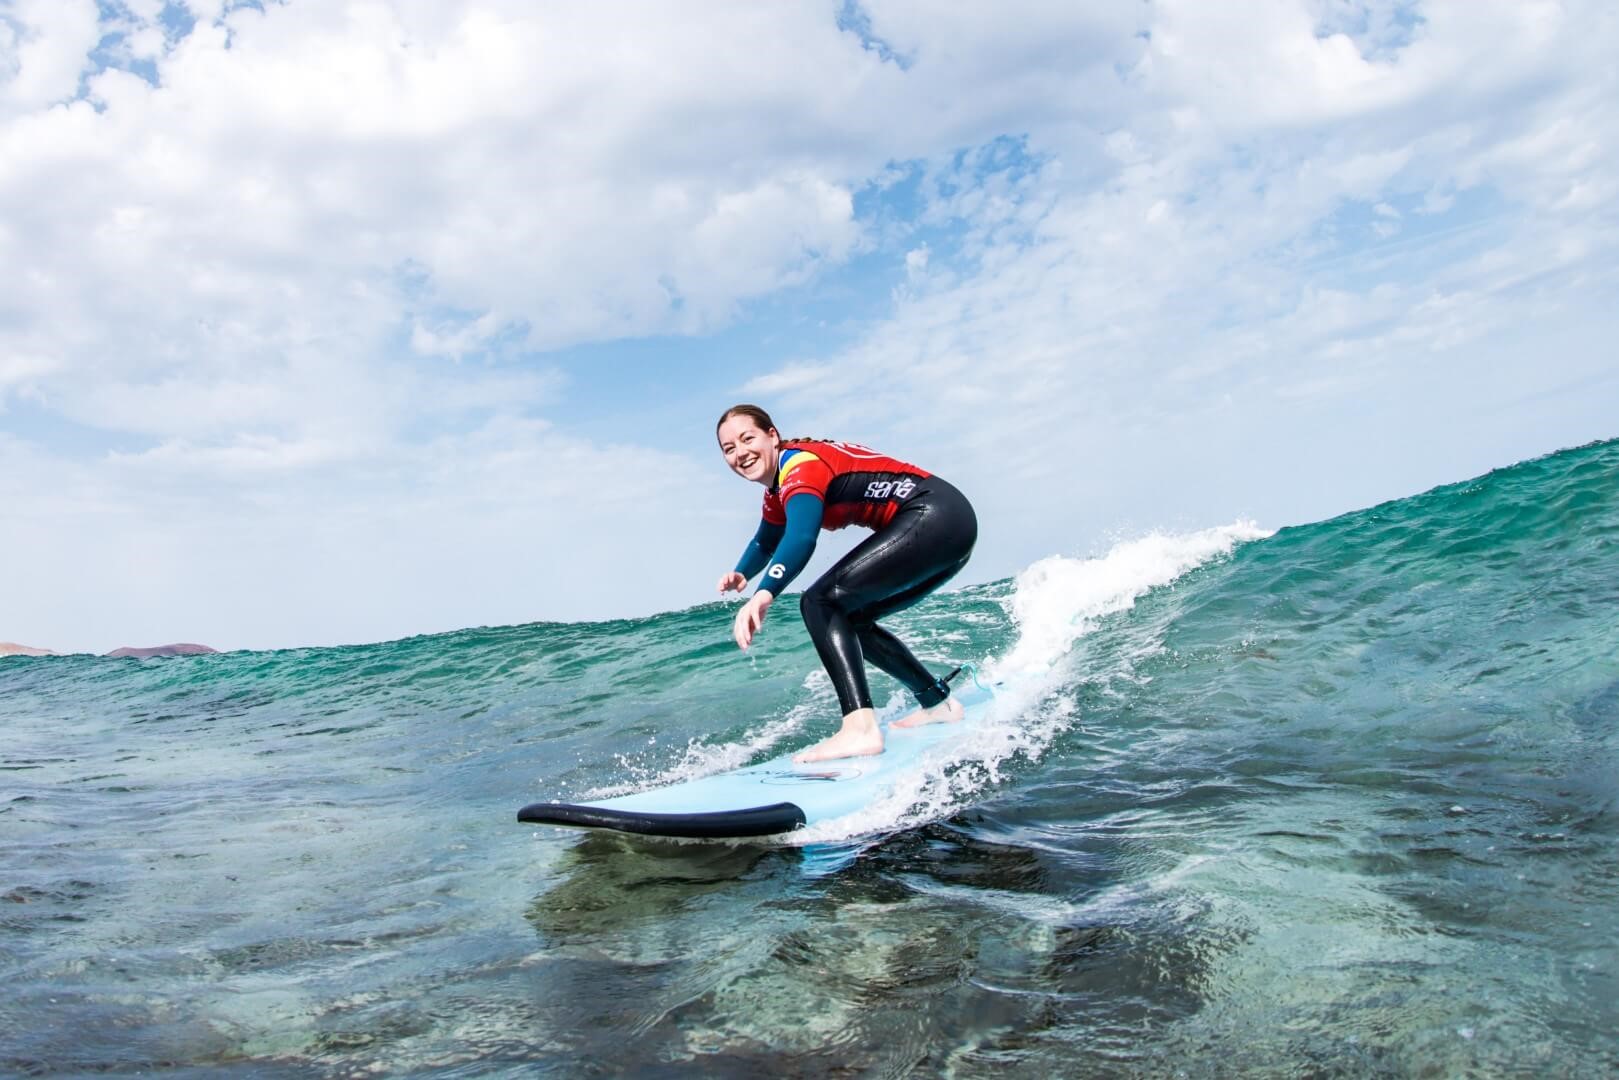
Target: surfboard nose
(713, 825)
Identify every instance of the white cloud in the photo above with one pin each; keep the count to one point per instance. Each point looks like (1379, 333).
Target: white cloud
(20, 368)
(44, 47)
(794, 377)
(300, 281)
(1227, 282)
(509, 522)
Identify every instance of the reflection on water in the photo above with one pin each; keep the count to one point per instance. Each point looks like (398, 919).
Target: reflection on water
(940, 949)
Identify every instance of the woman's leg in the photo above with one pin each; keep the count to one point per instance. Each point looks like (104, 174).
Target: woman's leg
(928, 541)
(889, 653)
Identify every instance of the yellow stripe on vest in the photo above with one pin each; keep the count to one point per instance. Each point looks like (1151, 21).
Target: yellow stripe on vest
(798, 458)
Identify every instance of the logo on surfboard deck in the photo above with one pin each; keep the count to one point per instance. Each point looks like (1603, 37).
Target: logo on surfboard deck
(815, 775)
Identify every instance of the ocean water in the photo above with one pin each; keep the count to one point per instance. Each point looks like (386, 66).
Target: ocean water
(1337, 800)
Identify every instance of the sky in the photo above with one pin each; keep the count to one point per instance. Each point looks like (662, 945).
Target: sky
(333, 321)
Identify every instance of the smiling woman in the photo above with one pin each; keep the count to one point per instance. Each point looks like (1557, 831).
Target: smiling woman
(924, 531)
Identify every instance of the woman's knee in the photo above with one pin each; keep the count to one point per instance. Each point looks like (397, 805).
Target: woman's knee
(821, 598)
(816, 606)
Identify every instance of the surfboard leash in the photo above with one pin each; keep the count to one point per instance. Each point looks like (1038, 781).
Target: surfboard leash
(972, 670)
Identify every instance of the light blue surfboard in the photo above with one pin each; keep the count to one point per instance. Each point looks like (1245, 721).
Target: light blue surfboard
(775, 796)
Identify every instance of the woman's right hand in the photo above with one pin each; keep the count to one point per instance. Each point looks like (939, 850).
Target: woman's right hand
(750, 617)
(732, 582)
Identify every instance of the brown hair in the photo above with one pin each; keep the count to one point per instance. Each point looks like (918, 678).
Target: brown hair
(762, 418)
(753, 412)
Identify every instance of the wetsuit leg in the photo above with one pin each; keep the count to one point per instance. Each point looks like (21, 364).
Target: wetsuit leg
(926, 543)
(890, 654)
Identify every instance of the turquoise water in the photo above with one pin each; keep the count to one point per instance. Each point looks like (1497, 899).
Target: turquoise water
(1337, 800)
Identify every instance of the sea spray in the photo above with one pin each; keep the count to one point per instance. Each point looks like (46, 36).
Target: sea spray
(1060, 598)
(1052, 604)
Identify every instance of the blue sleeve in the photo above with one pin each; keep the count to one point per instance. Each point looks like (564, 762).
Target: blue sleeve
(759, 549)
(797, 542)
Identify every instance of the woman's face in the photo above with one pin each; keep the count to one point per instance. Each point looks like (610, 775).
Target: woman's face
(749, 450)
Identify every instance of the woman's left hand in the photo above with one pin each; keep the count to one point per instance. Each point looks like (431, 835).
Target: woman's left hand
(751, 617)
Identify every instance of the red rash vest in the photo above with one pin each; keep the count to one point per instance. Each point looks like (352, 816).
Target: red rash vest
(858, 485)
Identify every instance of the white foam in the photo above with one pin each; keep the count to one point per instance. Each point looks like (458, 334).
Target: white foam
(705, 759)
(1054, 603)
(1059, 599)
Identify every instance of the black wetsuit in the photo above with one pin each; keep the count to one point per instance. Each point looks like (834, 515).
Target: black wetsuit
(924, 533)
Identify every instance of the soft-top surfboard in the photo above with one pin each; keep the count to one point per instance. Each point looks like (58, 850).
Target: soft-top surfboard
(775, 796)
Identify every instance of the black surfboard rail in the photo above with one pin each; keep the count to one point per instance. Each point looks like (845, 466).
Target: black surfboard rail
(713, 825)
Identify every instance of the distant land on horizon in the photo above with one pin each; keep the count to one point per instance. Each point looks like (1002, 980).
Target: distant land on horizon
(11, 648)
(183, 648)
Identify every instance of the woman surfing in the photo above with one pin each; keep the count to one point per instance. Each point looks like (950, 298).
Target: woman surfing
(923, 534)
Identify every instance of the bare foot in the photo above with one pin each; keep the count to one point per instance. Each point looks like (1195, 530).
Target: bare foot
(947, 711)
(842, 745)
(859, 737)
